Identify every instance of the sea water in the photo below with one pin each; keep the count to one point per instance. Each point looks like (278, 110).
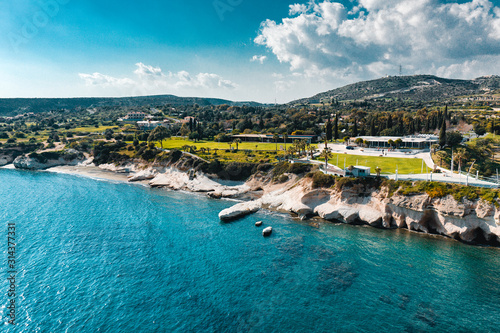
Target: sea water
(98, 256)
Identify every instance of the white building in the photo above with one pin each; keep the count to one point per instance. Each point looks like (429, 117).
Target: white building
(421, 141)
(358, 171)
(150, 125)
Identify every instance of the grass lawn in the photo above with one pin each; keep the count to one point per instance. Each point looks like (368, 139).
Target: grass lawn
(178, 143)
(387, 164)
(90, 129)
(240, 156)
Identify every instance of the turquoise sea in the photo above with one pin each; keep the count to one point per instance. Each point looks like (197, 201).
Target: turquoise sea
(98, 256)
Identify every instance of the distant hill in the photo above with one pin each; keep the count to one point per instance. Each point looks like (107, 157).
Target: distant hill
(416, 88)
(12, 106)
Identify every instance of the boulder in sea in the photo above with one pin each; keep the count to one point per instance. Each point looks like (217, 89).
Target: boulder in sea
(258, 223)
(240, 210)
(267, 232)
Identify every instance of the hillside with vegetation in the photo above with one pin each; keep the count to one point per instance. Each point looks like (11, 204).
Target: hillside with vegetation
(15, 106)
(418, 88)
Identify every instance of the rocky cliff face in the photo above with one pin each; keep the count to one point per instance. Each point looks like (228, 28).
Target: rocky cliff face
(41, 162)
(468, 221)
(5, 159)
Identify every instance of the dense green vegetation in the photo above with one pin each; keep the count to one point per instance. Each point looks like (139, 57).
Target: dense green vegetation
(93, 126)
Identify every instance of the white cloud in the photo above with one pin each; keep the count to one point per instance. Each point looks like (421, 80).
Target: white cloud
(98, 79)
(148, 71)
(151, 79)
(202, 80)
(298, 9)
(377, 36)
(260, 59)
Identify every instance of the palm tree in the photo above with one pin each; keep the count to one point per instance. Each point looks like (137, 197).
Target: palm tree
(441, 155)
(309, 148)
(276, 136)
(285, 137)
(326, 154)
(378, 171)
(398, 143)
(237, 142)
(460, 154)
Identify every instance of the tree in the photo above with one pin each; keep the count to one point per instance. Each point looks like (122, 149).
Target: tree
(398, 142)
(311, 150)
(160, 133)
(390, 142)
(441, 155)
(285, 137)
(454, 138)
(359, 141)
(355, 129)
(373, 131)
(442, 134)
(326, 154)
(292, 150)
(328, 130)
(389, 121)
(276, 136)
(237, 142)
(460, 155)
(108, 134)
(378, 170)
(336, 127)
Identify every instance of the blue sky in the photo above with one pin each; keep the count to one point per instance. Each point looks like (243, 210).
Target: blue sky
(237, 49)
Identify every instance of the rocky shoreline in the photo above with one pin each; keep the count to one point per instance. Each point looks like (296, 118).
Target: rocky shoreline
(474, 222)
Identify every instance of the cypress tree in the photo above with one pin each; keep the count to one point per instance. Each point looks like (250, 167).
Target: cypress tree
(336, 127)
(389, 121)
(190, 124)
(355, 129)
(328, 130)
(373, 131)
(442, 134)
(401, 128)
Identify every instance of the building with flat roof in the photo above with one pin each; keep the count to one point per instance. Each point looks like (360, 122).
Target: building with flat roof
(358, 171)
(270, 138)
(421, 141)
(135, 116)
(150, 125)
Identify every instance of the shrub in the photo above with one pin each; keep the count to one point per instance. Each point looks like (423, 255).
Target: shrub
(322, 180)
(283, 178)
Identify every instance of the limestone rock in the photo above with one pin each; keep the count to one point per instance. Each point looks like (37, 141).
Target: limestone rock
(240, 210)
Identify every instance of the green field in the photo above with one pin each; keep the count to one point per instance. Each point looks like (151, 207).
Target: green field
(179, 143)
(91, 129)
(387, 164)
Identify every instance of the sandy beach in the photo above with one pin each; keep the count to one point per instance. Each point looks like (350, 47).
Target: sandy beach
(93, 172)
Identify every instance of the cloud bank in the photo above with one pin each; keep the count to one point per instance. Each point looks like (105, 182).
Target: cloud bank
(325, 39)
(149, 79)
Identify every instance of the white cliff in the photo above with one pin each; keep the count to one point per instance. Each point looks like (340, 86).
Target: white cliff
(468, 221)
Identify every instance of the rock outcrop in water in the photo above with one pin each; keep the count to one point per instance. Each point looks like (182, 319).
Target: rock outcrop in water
(5, 159)
(469, 221)
(49, 159)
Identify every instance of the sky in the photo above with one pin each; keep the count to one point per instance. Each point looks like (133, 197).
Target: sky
(242, 50)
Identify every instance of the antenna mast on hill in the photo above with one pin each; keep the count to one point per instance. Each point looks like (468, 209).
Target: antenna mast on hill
(400, 70)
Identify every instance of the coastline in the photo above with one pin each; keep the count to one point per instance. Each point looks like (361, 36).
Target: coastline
(470, 222)
(91, 172)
